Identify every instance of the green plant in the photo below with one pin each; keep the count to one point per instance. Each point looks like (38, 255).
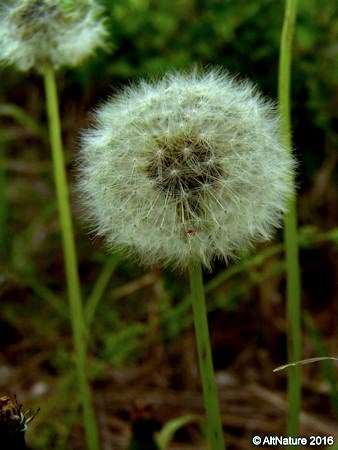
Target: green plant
(46, 35)
(73, 282)
(182, 171)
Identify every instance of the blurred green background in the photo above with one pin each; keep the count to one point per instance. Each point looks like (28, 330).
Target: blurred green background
(141, 340)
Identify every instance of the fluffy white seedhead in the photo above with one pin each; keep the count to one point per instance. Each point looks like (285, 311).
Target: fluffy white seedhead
(59, 32)
(185, 169)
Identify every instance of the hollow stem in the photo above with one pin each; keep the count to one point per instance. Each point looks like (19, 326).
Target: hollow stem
(214, 423)
(290, 229)
(70, 260)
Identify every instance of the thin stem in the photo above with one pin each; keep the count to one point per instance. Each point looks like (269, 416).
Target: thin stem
(327, 365)
(24, 119)
(214, 423)
(74, 291)
(245, 264)
(290, 229)
(99, 288)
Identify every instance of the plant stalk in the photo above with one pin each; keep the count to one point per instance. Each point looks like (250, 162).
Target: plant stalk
(293, 308)
(70, 259)
(214, 423)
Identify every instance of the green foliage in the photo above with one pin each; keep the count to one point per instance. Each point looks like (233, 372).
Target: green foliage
(152, 36)
(149, 37)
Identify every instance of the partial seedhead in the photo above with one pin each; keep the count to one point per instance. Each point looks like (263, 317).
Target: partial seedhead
(56, 32)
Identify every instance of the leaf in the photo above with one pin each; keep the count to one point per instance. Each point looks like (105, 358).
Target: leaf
(305, 361)
(166, 434)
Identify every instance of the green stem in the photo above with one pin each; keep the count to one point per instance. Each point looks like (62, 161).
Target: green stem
(99, 288)
(74, 291)
(290, 229)
(214, 423)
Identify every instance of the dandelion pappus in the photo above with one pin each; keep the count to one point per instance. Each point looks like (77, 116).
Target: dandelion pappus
(192, 195)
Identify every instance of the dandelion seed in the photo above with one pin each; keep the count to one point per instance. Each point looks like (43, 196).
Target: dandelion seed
(200, 155)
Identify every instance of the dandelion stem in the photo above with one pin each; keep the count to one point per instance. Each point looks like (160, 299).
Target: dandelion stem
(74, 291)
(214, 423)
(290, 229)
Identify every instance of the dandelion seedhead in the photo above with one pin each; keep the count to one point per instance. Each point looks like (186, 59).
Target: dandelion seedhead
(58, 32)
(185, 169)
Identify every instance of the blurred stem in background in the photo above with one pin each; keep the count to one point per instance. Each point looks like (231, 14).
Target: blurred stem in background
(99, 288)
(71, 268)
(290, 229)
(214, 422)
(21, 117)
